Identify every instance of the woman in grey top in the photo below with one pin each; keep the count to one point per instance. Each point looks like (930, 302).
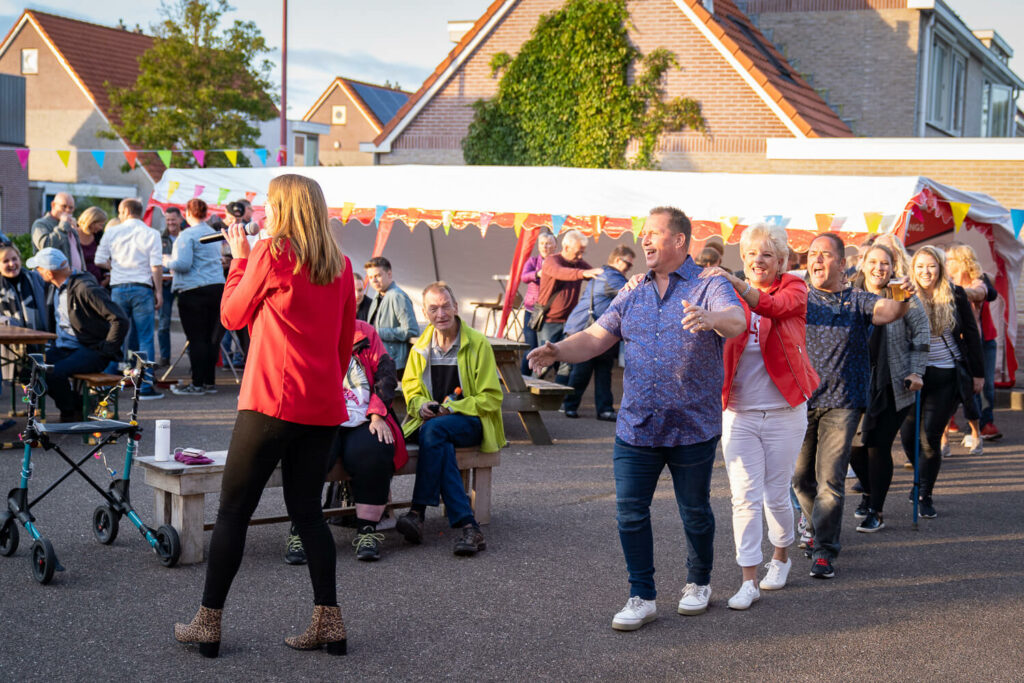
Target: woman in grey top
(899, 354)
(199, 284)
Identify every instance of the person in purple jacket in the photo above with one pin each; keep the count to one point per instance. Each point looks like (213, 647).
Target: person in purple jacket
(546, 245)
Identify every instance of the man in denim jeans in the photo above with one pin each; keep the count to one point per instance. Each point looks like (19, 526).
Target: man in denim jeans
(672, 324)
(839, 320)
(132, 251)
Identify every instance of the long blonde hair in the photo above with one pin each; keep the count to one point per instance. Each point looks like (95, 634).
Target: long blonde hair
(300, 216)
(967, 258)
(900, 257)
(939, 304)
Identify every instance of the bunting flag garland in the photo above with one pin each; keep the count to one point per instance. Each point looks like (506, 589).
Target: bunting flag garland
(250, 196)
(222, 194)
(165, 156)
(888, 222)
(262, 154)
(774, 219)
(873, 221)
(22, 157)
(728, 224)
(172, 187)
(517, 224)
(379, 214)
(346, 211)
(837, 223)
(446, 221)
(598, 227)
(232, 155)
(65, 156)
(959, 210)
(100, 156)
(557, 221)
(638, 226)
(198, 191)
(131, 157)
(824, 221)
(1017, 218)
(200, 156)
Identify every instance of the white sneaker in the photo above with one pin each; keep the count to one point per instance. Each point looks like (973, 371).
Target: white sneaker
(777, 574)
(746, 596)
(973, 445)
(695, 599)
(635, 614)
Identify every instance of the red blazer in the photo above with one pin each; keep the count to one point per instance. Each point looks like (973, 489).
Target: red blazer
(368, 350)
(783, 311)
(301, 336)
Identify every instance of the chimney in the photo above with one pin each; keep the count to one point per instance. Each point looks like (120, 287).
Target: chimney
(709, 5)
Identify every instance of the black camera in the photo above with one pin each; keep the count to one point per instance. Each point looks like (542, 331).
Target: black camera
(236, 209)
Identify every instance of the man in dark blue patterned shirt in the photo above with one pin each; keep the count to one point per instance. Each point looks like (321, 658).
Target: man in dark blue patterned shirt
(673, 324)
(839, 320)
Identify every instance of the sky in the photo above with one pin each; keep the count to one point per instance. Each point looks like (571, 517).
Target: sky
(400, 41)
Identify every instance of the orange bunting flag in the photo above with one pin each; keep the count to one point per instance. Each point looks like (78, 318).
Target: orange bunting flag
(873, 221)
(485, 222)
(131, 157)
(959, 210)
(824, 221)
(517, 225)
(346, 211)
(598, 227)
(728, 224)
(172, 187)
(65, 156)
(638, 226)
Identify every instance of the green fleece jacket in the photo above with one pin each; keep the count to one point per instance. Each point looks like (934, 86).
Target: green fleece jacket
(478, 377)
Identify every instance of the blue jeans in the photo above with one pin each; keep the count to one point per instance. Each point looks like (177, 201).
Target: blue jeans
(530, 337)
(551, 332)
(637, 471)
(67, 362)
(163, 334)
(437, 472)
(137, 301)
(579, 377)
(986, 400)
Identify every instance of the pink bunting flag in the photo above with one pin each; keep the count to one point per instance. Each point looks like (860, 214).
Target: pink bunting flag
(22, 157)
(200, 156)
(198, 191)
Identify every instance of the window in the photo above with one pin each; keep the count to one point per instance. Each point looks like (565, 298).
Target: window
(946, 91)
(996, 110)
(338, 115)
(300, 147)
(30, 61)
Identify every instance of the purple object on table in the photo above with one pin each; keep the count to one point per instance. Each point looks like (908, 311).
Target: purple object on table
(191, 456)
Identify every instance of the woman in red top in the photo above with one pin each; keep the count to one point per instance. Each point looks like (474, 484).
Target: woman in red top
(295, 292)
(768, 379)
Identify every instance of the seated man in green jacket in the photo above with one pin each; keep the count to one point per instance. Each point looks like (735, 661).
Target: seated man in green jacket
(453, 400)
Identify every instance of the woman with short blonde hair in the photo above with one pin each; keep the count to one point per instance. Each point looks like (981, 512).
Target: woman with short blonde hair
(90, 230)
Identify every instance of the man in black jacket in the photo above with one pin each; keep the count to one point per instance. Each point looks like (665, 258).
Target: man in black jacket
(90, 328)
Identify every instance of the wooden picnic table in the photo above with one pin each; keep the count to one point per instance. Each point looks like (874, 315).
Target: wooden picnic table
(15, 339)
(525, 396)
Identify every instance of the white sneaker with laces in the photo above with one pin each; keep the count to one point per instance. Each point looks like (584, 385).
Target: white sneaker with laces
(746, 596)
(635, 614)
(777, 574)
(973, 445)
(695, 599)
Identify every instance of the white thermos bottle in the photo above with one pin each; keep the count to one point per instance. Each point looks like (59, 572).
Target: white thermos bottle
(162, 452)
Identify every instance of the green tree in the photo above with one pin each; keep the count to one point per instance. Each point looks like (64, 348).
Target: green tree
(199, 87)
(567, 98)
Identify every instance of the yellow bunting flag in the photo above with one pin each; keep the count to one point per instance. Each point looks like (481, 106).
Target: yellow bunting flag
(728, 224)
(824, 221)
(172, 187)
(638, 226)
(232, 155)
(446, 221)
(346, 211)
(959, 210)
(873, 221)
(65, 156)
(517, 225)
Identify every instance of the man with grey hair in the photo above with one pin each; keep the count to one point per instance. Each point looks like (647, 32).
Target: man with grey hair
(59, 230)
(561, 278)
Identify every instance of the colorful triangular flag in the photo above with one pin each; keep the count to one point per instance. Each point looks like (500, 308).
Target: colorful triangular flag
(1017, 218)
(165, 156)
(873, 221)
(774, 219)
(379, 213)
(728, 224)
(557, 221)
(281, 157)
(959, 210)
(824, 221)
(232, 155)
(598, 227)
(262, 154)
(888, 221)
(222, 194)
(100, 156)
(172, 187)
(22, 156)
(346, 211)
(517, 224)
(837, 223)
(65, 156)
(198, 191)
(446, 221)
(638, 226)
(200, 155)
(250, 196)
(131, 158)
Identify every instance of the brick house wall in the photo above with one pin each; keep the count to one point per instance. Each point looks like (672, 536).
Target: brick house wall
(356, 129)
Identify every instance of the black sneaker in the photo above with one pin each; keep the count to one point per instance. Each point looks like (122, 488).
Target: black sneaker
(863, 509)
(872, 523)
(926, 509)
(294, 553)
(809, 549)
(572, 414)
(367, 543)
(610, 416)
(471, 542)
(822, 568)
(410, 525)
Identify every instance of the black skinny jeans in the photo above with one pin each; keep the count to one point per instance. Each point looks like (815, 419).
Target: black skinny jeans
(370, 463)
(938, 401)
(199, 309)
(258, 443)
(872, 462)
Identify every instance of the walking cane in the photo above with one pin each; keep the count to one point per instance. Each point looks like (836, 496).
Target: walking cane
(917, 453)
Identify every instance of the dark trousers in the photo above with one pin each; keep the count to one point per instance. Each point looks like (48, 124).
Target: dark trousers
(820, 476)
(199, 309)
(367, 460)
(163, 333)
(872, 462)
(530, 337)
(938, 401)
(437, 470)
(579, 377)
(552, 332)
(258, 444)
(67, 362)
(637, 471)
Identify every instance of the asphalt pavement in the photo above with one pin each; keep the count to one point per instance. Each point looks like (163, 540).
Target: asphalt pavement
(944, 601)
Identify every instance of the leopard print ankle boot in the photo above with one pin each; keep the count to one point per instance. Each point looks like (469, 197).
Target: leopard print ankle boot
(204, 630)
(327, 630)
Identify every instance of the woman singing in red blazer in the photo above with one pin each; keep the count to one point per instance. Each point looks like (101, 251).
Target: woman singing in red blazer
(296, 294)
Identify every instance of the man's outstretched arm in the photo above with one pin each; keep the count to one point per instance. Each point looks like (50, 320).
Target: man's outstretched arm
(581, 346)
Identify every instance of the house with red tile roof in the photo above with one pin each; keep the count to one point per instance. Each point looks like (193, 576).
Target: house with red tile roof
(355, 111)
(747, 90)
(66, 64)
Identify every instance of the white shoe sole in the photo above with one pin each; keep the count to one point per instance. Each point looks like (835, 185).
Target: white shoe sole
(766, 587)
(633, 625)
(740, 608)
(691, 611)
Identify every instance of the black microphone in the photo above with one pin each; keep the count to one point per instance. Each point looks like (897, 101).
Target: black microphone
(250, 229)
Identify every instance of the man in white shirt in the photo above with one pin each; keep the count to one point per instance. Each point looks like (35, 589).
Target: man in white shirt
(132, 252)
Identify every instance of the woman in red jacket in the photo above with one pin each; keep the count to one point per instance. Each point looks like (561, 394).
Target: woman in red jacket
(295, 293)
(768, 379)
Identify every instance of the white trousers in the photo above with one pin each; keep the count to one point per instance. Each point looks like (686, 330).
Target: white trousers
(760, 449)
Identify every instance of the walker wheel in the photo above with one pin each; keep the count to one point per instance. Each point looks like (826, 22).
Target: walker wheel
(44, 561)
(8, 538)
(168, 545)
(104, 524)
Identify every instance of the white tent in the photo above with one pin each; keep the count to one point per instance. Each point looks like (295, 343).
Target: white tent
(604, 203)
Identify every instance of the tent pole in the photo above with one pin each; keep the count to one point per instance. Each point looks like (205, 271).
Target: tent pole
(433, 254)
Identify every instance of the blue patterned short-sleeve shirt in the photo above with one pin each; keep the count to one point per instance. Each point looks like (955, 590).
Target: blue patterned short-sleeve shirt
(838, 327)
(672, 385)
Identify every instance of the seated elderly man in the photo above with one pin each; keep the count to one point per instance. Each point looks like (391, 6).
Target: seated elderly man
(90, 328)
(453, 400)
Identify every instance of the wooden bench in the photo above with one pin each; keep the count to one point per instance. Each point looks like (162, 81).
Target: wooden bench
(94, 387)
(180, 492)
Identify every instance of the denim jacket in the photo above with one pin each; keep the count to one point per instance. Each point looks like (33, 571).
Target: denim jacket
(194, 264)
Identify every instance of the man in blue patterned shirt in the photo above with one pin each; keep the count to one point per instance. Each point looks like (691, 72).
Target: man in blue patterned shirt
(673, 324)
(839, 320)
